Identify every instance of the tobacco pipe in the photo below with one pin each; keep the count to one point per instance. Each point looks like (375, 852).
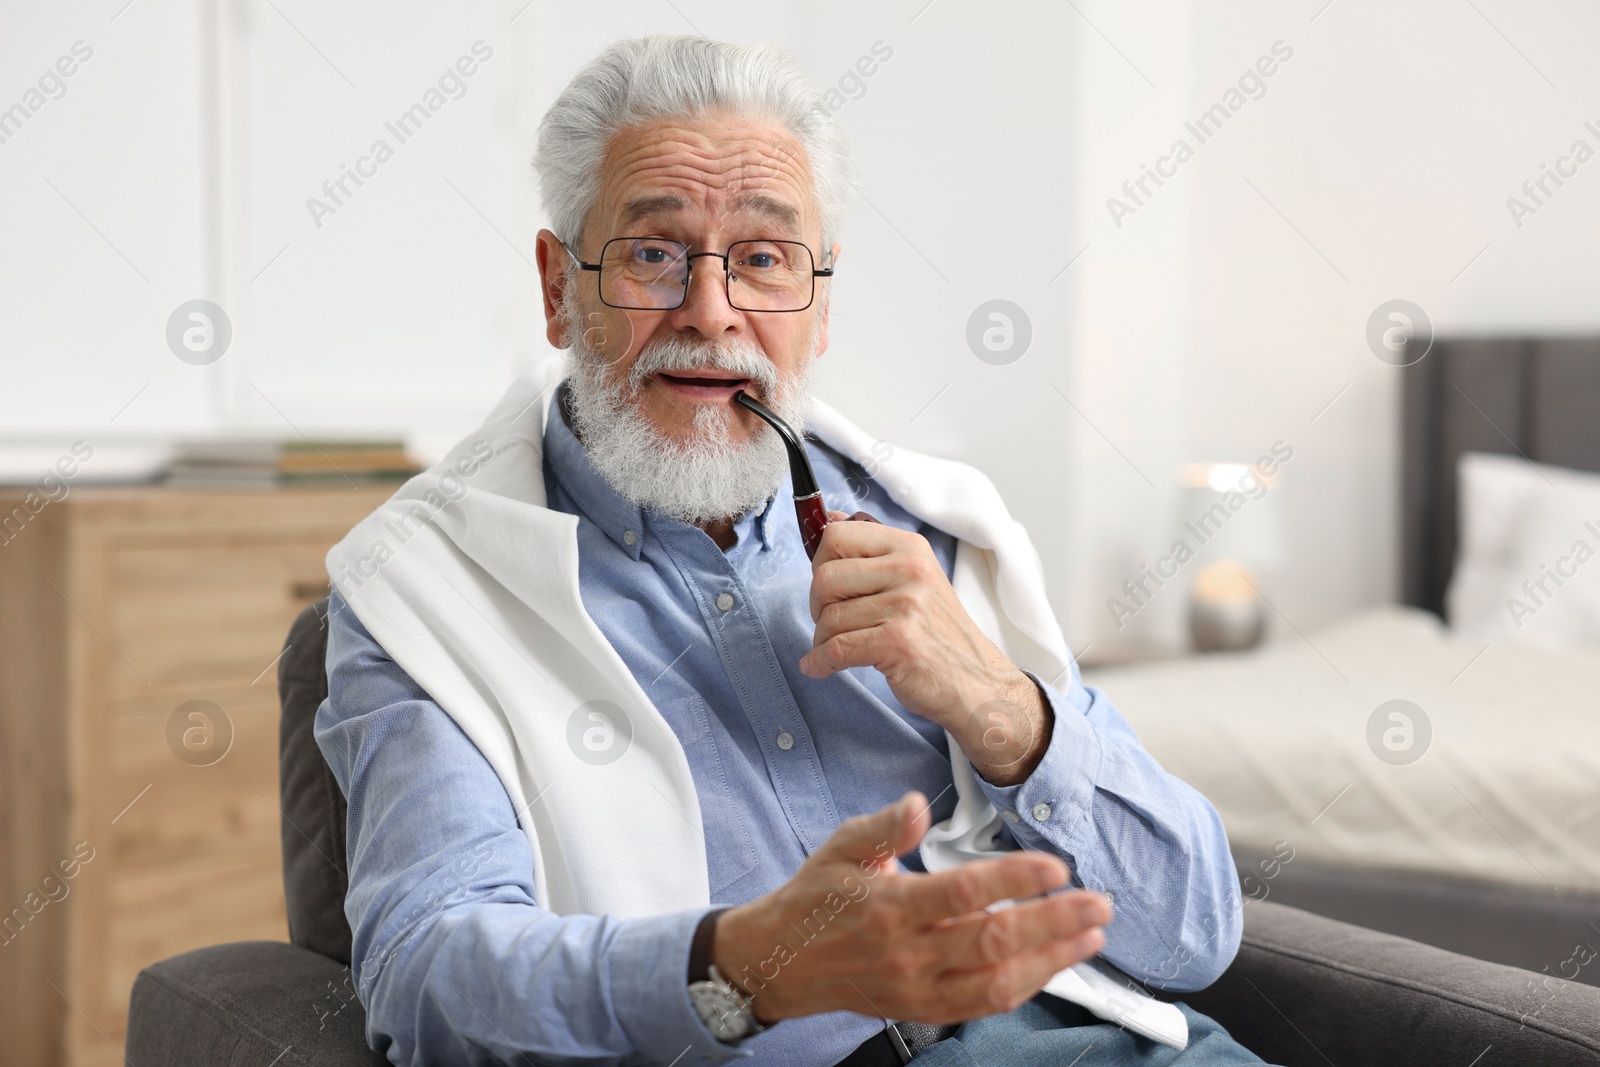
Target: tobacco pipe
(808, 506)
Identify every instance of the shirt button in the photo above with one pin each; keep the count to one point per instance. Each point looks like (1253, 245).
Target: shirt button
(629, 537)
(1111, 898)
(786, 740)
(1041, 812)
(725, 601)
(1008, 815)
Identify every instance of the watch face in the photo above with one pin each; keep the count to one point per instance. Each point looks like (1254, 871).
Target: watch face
(720, 1010)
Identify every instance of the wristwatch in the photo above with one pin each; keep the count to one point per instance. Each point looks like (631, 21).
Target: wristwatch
(725, 1011)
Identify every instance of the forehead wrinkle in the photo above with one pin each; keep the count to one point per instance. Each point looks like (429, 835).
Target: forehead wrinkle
(705, 170)
(668, 204)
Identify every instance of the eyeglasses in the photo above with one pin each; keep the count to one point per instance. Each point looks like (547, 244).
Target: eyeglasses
(652, 274)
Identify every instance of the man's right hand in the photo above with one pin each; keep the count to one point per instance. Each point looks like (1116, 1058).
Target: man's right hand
(852, 931)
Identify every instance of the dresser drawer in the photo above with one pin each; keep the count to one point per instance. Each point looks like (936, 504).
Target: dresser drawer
(122, 604)
(225, 812)
(205, 613)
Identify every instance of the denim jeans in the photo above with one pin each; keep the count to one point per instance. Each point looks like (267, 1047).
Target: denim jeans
(1050, 1032)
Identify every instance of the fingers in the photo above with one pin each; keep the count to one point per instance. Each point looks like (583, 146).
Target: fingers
(983, 940)
(858, 648)
(975, 885)
(861, 613)
(1007, 986)
(879, 837)
(846, 539)
(850, 578)
(847, 579)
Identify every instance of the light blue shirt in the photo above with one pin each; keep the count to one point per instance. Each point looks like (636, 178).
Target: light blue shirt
(455, 960)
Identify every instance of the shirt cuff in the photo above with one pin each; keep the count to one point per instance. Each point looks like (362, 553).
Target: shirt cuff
(649, 965)
(1050, 809)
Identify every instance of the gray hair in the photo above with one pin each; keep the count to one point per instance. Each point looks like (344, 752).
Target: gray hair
(665, 77)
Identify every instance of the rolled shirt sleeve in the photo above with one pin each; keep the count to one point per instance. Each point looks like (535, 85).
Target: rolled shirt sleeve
(1133, 831)
(453, 958)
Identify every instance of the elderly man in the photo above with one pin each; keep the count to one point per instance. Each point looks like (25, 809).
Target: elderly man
(630, 779)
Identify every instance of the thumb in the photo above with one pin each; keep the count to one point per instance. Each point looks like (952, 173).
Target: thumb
(888, 832)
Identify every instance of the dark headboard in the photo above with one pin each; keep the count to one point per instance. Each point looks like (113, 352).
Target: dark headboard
(1539, 397)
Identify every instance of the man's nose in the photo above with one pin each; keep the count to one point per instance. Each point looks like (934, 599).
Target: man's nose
(705, 307)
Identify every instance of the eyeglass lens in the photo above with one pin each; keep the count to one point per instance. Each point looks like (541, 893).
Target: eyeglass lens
(650, 273)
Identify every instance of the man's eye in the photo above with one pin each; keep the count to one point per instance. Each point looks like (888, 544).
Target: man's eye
(761, 259)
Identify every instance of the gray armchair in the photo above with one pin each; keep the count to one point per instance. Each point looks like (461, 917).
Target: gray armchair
(1304, 990)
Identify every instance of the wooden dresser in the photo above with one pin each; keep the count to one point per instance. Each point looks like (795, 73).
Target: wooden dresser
(139, 629)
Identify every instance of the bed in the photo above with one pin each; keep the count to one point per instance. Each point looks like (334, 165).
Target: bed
(1388, 770)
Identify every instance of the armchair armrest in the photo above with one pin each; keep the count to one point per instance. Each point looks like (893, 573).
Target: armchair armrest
(1309, 990)
(256, 1002)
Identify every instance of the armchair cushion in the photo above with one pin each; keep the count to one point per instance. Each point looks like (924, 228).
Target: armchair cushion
(250, 1003)
(314, 875)
(1304, 991)
(1309, 990)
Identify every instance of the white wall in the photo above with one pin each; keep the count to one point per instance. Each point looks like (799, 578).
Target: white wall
(1390, 141)
(101, 239)
(1205, 327)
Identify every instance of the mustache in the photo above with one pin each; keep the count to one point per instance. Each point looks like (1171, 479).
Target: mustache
(738, 360)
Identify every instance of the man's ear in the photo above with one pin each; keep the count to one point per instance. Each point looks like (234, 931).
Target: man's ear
(551, 258)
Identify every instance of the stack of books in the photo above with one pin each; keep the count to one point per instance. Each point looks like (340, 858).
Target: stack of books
(268, 464)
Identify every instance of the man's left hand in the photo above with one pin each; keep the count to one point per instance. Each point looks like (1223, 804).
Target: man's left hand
(880, 599)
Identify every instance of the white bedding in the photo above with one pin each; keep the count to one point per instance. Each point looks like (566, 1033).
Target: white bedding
(1507, 790)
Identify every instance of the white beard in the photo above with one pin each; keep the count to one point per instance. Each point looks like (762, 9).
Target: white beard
(710, 476)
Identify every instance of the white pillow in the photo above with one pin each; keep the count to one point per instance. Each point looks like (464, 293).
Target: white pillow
(1493, 494)
(1528, 568)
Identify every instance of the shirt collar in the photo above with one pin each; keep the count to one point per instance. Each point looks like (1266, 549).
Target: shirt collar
(758, 521)
(618, 517)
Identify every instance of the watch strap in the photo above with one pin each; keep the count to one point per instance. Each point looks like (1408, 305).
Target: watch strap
(701, 944)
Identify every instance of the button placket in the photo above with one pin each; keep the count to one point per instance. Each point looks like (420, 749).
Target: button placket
(750, 659)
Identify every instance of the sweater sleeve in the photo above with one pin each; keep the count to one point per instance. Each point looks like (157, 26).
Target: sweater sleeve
(453, 958)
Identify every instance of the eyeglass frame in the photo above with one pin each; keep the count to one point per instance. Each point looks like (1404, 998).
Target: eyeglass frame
(688, 272)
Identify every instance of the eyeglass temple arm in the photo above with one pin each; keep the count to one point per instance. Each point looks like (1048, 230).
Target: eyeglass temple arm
(581, 264)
